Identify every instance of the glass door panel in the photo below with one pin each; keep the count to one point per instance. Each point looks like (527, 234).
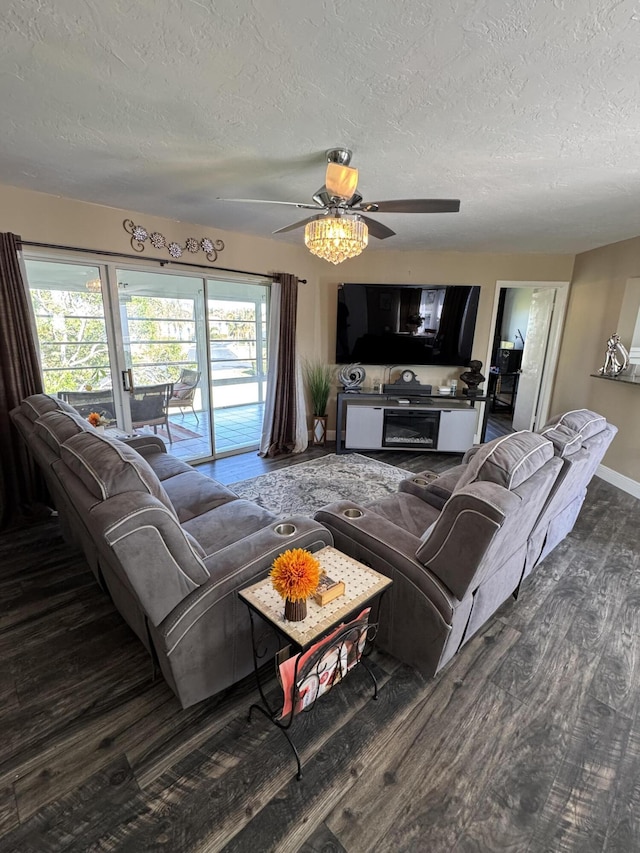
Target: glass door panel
(164, 349)
(237, 317)
(72, 335)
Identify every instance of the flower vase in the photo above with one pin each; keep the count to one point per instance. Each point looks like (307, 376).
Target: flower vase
(295, 611)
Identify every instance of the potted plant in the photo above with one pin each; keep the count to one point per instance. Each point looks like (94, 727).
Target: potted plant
(319, 378)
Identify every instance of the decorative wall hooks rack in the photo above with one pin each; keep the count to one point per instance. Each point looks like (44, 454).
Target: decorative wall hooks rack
(140, 235)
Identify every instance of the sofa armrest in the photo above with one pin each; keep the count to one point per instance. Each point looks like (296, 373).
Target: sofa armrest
(146, 445)
(418, 615)
(463, 533)
(470, 453)
(152, 554)
(393, 546)
(434, 489)
(237, 566)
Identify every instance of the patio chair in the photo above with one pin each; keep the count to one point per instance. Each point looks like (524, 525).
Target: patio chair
(85, 402)
(150, 407)
(184, 391)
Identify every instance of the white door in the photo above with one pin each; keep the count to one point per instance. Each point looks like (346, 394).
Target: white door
(533, 358)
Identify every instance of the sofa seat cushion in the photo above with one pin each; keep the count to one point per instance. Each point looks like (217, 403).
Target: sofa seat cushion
(407, 511)
(108, 467)
(193, 494)
(165, 465)
(227, 524)
(508, 461)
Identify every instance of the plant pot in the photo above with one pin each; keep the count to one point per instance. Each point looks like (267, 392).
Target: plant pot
(295, 611)
(319, 429)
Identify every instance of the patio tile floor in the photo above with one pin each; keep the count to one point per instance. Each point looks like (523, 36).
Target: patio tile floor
(236, 428)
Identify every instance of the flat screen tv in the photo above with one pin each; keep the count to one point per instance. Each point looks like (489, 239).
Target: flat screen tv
(406, 323)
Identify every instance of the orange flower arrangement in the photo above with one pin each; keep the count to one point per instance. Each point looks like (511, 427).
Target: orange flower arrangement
(96, 419)
(295, 574)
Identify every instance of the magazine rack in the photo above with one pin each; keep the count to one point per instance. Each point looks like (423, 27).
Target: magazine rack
(306, 677)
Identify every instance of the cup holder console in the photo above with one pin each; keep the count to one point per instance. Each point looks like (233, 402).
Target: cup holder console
(285, 529)
(353, 513)
(424, 479)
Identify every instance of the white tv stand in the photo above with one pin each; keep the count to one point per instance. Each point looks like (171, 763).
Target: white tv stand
(426, 423)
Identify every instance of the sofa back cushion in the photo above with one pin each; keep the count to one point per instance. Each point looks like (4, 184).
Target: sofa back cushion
(37, 404)
(56, 426)
(108, 467)
(509, 460)
(565, 441)
(582, 421)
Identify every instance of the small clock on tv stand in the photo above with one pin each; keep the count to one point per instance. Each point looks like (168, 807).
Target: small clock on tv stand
(407, 381)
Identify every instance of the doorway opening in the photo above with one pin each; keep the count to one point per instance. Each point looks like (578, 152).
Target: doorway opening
(527, 325)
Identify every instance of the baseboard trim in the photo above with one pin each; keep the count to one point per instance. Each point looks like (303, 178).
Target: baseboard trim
(632, 487)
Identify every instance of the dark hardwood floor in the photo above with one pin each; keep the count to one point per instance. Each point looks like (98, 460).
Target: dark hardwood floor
(498, 425)
(528, 741)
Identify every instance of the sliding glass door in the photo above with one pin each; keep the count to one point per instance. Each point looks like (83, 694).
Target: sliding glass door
(163, 329)
(155, 352)
(72, 328)
(237, 318)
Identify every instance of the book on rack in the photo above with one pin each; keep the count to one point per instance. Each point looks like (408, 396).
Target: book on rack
(327, 590)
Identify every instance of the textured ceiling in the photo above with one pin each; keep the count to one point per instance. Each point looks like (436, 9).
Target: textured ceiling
(527, 111)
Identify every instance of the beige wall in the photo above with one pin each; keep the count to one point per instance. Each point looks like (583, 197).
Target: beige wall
(594, 313)
(50, 219)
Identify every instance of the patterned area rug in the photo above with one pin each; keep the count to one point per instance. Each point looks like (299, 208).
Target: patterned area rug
(302, 489)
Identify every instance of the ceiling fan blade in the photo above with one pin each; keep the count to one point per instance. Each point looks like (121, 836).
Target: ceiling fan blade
(413, 205)
(269, 201)
(294, 226)
(377, 229)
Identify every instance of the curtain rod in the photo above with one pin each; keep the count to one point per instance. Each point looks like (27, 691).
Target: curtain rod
(105, 254)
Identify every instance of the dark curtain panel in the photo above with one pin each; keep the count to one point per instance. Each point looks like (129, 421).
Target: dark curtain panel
(19, 377)
(448, 337)
(283, 430)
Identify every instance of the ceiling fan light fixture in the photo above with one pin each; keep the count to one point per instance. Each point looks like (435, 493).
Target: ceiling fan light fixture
(336, 238)
(341, 181)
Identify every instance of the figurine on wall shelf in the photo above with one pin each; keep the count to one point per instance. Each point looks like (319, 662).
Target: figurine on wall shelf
(472, 378)
(613, 365)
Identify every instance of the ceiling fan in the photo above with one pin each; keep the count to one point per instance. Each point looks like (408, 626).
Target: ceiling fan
(339, 229)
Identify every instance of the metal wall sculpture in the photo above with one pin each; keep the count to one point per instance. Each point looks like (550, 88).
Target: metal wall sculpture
(140, 235)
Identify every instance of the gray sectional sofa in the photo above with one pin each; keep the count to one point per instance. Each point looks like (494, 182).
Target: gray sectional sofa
(170, 545)
(458, 545)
